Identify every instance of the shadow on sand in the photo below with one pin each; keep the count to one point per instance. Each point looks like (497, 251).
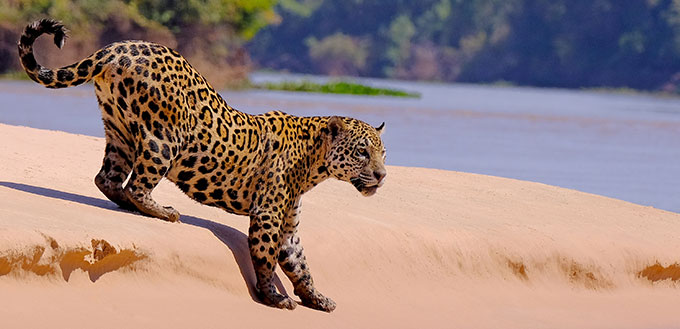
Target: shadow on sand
(234, 239)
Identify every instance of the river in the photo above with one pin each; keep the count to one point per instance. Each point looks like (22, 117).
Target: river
(618, 145)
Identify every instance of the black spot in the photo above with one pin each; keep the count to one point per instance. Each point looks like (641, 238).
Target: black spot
(222, 205)
(217, 194)
(288, 267)
(232, 194)
(182, 186)
(29, 62)
(100, 54)
(122, 104)
(97, 69)
(84, 68)
(46, 76)
(135, 109)
(166, 152)
(265, 238)
(108, 109)
(185, 175)
(157, 133)
(121, 49)
(153, 106)
(157, 160)
(124, 61)
(121, 90)
(201, 184)
(283, 254)
(153, 146)
(190, 162)
(236, 205)
(200, 197)
(141, 85)
(108, 59)
(146, 116)
(65, 75)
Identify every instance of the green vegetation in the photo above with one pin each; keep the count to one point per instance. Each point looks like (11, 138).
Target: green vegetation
(548, 43)
(336, 87)
(14, 75)
(210, 33)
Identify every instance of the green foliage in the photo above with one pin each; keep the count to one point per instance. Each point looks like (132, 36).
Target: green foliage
(338, 87)
(557, 43)
(14, 75)
(338, 54)
(303, 8)
(400, 33)
(246, 16)
(210, 33)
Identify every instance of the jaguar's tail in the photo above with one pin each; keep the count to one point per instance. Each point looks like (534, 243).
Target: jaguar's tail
(67, 76)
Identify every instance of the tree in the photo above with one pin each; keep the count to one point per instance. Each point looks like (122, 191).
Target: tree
(338, 54)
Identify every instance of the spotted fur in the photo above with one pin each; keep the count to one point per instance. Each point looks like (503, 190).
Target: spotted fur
(162, 119)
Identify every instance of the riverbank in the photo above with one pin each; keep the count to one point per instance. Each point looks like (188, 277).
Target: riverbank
(432, 248)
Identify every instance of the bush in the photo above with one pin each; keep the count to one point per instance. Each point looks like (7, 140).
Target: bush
(338, 54)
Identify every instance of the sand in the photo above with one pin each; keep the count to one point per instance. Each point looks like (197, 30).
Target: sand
(432, 248)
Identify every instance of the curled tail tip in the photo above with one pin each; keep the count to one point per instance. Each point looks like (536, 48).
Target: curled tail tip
(45, 25)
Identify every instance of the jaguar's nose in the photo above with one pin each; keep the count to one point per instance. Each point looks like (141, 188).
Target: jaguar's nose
(380, 174)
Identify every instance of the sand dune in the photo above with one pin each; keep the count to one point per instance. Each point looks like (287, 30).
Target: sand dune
(431, 248)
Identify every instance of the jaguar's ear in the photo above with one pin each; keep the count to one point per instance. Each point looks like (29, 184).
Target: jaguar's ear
(381, 129)
(335, 127)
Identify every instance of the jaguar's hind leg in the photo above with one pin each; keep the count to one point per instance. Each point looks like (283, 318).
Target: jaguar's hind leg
(115, 169)
(150, 166)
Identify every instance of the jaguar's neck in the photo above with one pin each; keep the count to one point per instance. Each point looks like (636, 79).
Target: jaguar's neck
(301, 142)
(316, 147)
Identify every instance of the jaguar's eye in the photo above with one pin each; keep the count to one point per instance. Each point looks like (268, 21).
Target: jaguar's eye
(362, 152)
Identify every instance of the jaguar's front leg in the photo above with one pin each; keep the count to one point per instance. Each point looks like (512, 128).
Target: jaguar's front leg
(264, 240)
(294, 264)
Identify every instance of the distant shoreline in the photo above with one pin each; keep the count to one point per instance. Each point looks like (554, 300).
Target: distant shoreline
(296, 82)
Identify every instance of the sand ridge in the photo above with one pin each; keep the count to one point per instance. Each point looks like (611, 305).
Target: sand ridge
(431, 248)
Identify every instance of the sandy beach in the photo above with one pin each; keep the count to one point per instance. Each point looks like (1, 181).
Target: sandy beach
(432, 248)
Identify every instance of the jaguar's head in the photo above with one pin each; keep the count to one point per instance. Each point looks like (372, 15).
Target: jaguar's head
(356, 153)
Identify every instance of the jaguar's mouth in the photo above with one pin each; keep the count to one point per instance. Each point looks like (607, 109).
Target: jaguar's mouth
(365, 189)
